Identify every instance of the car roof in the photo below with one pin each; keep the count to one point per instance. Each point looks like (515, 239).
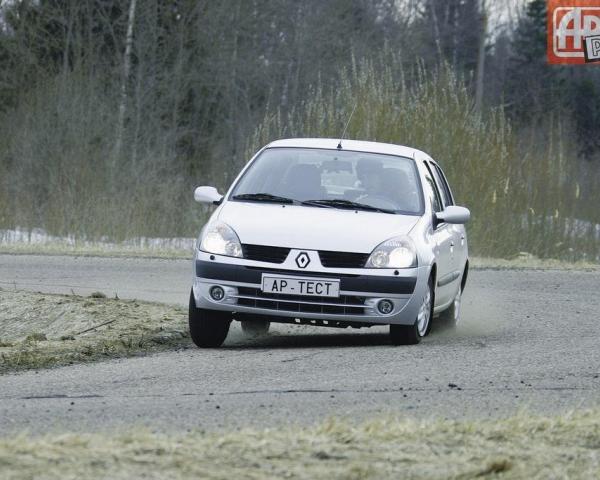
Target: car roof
(351, 145)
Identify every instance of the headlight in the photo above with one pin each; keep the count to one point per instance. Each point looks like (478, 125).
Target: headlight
(220, 239)
(398, 252)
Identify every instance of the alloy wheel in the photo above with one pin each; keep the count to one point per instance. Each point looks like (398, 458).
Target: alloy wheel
(424, 315)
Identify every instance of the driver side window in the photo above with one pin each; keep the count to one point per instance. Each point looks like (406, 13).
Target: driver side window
(436, 199)
(442, 185)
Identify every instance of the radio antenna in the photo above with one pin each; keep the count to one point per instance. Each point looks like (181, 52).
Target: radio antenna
(339, 147)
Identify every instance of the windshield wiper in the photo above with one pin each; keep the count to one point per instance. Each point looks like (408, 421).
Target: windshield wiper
(263, 197)
(347, 204)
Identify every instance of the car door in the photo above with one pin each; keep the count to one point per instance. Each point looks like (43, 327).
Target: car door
(443, 237)
(460, 236)
(459, 247)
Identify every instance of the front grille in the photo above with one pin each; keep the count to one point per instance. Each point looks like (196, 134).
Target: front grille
(343, 305)
(343, 259)
(302, 273)
(329, 259)
(265, 253)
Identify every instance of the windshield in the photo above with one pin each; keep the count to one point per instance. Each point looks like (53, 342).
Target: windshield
(341, 179)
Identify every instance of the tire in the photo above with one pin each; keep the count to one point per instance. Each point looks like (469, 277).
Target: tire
(450, 317)
(208, 328)
(412, 334)
(255, 326)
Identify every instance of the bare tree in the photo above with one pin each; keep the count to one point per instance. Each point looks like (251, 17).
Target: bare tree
(124, 80)
(479, 79)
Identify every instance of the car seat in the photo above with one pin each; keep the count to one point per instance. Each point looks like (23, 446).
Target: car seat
(303, 182)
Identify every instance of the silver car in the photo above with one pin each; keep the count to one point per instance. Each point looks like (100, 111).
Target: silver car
(337, 234)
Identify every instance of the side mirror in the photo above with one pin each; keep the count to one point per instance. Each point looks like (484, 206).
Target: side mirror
(207, 195)
(454, 214)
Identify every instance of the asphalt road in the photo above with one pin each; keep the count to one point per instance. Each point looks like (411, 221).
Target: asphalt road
(529, 340)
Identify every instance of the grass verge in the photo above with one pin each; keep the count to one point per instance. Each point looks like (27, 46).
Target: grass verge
(95, 250)
(521, 447)
(528, 262)
(41, 330)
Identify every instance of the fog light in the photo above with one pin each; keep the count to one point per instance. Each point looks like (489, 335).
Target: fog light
(385, 306)
(217, 293)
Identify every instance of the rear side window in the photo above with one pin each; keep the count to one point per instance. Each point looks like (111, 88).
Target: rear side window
(436, 199)
(443, 184)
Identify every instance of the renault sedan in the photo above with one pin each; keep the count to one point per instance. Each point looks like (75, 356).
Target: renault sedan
(330, 233)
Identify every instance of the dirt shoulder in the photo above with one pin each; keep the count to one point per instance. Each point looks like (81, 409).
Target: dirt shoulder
(521, 447)
(43, 330)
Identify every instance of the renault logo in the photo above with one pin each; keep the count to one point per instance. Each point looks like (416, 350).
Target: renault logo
(302, 260)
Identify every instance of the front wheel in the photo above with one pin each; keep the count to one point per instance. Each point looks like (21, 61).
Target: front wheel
(208, 328)
(412, 334)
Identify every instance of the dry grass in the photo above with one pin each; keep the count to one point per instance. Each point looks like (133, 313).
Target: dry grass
(38, 330)
(525, 189)
(522, 447)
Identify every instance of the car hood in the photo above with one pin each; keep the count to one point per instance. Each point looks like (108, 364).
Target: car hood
(313, 228)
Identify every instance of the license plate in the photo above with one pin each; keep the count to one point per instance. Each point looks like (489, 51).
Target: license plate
(315, 287)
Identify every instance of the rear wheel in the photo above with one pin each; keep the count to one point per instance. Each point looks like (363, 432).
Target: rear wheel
(451, 316)
(255, 326)
(208, 328)
(412, 334)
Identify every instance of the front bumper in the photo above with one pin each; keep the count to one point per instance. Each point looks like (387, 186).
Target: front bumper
(360, 291)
